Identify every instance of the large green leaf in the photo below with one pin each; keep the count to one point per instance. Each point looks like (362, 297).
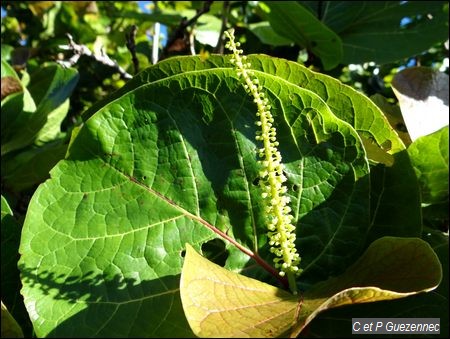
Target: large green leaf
(345, 102)
(220, 303)
(50, 87)
(169, 162)
(294, 22)
(372, 31)
(429, 155)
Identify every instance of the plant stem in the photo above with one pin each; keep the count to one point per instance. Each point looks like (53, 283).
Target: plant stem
(292, 283)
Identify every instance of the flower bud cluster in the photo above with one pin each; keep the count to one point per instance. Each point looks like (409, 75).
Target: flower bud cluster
(279, 218)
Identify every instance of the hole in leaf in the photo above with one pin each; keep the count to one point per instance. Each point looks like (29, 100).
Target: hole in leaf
(256, 181)
(401, 127)
(215, 251)
(295, 187)
(182, 253)
(144, 178)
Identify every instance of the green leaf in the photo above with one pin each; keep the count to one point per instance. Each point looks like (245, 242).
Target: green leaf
(294, 22)
(147, 174)
(7, 70)
(50, 87)
(218, 302)
(394, 116)
(208, 28)
(423, 97)
(6, 51)
(10, 282)
(221, 303)
(52, 128)
(395, 200)
(372, 31)
(391, 268)
(345, 102)
(267, 35)
(10, 238)
(16, 167)
(429, 156)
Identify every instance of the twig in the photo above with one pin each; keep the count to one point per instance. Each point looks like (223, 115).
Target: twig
(192, 42)
(156, 32)
(180, 31)
(220, 43)
(155, 47)
(80, 50)
(131, 45)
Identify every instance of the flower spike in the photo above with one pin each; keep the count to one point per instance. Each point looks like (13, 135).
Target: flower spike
(279, 220)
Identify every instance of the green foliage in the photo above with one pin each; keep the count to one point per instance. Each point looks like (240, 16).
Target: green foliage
(108, 182)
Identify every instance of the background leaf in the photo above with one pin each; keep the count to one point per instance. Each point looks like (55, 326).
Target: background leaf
(10, 282)
(42, 159)
(267, 35)
(374, 31)
(294, 22)
(49, 88)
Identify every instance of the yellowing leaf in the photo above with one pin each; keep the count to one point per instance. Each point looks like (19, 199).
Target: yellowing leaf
(391, 268)
(221, 303)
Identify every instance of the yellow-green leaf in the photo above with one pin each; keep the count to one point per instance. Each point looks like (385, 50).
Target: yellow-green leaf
(221, 303)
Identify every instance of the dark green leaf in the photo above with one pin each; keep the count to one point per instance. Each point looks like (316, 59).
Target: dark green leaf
(372, 31)
(16, 167)
(395, 200)
(10, 282)
(294, 22)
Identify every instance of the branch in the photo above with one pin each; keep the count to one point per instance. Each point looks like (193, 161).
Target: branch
(220, 43)
(80, 50)
(179, 32)
(131, 45)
